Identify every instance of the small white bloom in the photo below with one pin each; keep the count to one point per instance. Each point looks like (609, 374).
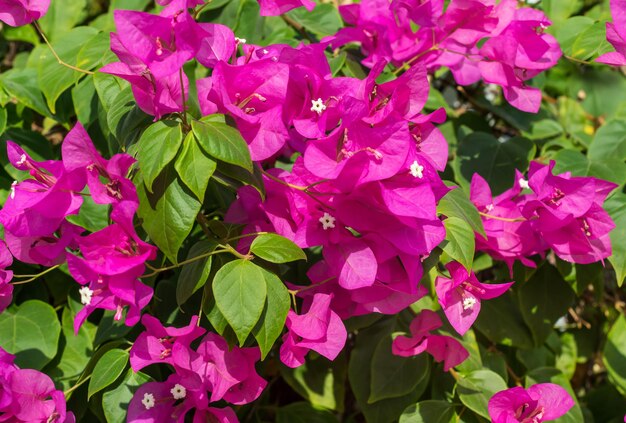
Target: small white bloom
(178, 391)
(489, 207)
(468, 303)
(417, 170)
(523, 183)
(148, 401)
(240, 40)
(318, 106)
(85, 295)
(13, 185)
(22, 160)
(532, 2)
(327, 221)
(265, 51)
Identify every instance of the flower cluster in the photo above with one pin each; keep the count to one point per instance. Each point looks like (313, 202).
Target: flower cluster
(545, 211)
(36, 229)
(539, 403)
(513, 45)
(28, 395)
(207, 374)
(443, 348)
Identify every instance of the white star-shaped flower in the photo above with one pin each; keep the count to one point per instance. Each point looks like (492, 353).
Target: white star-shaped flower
(468, 303)
(22, 160)
(489, 207)
(327, 221)
(417, 170)
(178, 391)
(85, 295)
(240, 40)
(148, 400)
(318, 106)
(523, 183)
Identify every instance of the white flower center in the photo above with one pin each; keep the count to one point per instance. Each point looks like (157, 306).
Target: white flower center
(417, 170)
(318, 106)
(85, 295)
(240, 40)
(468, 303)
(148, 401)
(178, 391)
(489, 207)
(523, 183)
(327, 221)
(22, 160)
(13, 185)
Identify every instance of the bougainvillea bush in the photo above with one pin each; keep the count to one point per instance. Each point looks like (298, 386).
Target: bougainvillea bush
(313, 211)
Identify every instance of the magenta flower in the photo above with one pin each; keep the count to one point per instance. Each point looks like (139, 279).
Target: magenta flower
(44, 250)
(567, 213)
(443, 348)
(319, 329)
(6, 289)
(156, 343)
(28, 395)
(510, 236)
(106, 179)
(616, 36)
(278, 7)
(37, 207)
(228, 373)
(176, 6)
(112, 261)
(22, 12)
(539, 403)
(460, 296)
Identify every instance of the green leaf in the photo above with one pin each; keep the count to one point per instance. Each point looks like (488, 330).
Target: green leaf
(394, 376)
(543, 299)
(302, 412)
(320, 381)
(616, 207)
(3, 119)
(322, 21)
(430, 411)
(85, 101)
(501, 321)
(125, 119)
(360, 376)
(495, 161)
(194, 167)
(63, 15)
(55, 78)
(240, 292)
(610, 168)
(590, 42)
(609, 142)
(222, 142)
(75, 351)
(107, 370)
(235, 177)
(477, 388)
(194, 275)
(157, 147)
(22, 84)
(169, 213)
(614, 357)
(272, 320)
(276, 249)
(456, 203)
(115, 402)
(30, 331)
(91, 216)
(459, 243)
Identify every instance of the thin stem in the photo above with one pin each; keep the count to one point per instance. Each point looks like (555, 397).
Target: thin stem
(33, 277)
(236, 253)
(280, 181)
(199, 9)
(582, 62)
(73, 388)
(182, 93)
(184, 262)
(54, 53)
(504, 219)
(306, 288)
